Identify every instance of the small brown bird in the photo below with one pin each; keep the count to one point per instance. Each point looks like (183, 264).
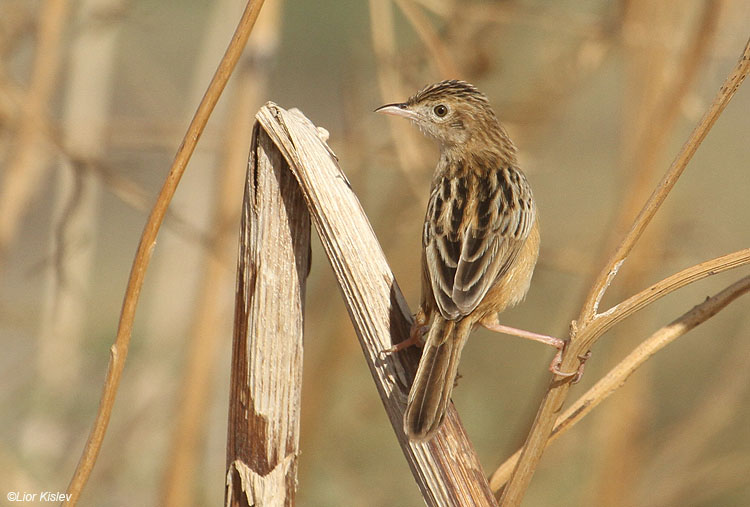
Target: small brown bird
(480, 240)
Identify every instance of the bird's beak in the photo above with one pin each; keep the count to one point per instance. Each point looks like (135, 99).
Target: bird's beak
(401, 109)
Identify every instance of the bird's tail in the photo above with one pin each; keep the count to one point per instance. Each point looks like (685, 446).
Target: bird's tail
(431, 391)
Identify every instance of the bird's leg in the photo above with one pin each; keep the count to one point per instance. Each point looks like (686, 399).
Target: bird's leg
(418, 328)
(492, 324)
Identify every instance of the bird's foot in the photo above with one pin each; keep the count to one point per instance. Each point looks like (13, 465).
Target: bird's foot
(418, 328)
(554, 367)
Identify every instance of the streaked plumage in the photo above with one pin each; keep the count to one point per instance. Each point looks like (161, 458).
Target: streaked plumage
(480, 238)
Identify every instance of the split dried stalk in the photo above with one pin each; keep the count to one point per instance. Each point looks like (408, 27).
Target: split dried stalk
(446, 468)
(266, 378)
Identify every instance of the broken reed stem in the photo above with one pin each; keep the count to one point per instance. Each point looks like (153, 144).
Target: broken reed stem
(585, 332)
(446, 468)
(266, 376)
(119, 350)
(620, 373)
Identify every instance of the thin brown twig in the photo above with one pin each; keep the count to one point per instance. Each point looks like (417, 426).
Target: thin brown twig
(654, 137)
(656, 98)
(250, 83)
(725, 94)
(625, 309)
(620, 373)
(586, 331)
(119, 350)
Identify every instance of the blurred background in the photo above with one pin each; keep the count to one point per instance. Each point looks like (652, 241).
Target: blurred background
(95, 96)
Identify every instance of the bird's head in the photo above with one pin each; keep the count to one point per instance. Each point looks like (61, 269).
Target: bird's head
(454, 113)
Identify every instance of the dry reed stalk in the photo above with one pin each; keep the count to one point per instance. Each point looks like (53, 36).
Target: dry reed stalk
(192, 203)
(178, 485)
(446, 468)
(588, 328)
(617, 376)
(266, 377)
(119, 350)
(28, 161)
(189, 272)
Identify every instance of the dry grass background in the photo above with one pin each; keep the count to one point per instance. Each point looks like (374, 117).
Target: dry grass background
(94, 96)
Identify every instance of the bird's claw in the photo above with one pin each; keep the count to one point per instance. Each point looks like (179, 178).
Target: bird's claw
(415, 338)
(554, 367)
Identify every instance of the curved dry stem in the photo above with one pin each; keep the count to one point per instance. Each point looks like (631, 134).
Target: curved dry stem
(725, 94)
(602, 322)
(620, 373)
(557, 392)
(654, 136)
(119, 349)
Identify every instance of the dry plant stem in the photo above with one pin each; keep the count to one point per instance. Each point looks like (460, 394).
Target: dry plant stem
(725, 94)
(605, 321)
(446, 468)
(119, 349)
(620, 373)
(189, 435)
(656, 99)
(266, 377)
(586, 330)
(660, 123)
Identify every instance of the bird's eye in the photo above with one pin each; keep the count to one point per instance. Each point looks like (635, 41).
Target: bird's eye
(440, 110)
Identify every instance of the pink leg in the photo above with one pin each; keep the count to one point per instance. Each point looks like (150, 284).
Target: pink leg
(418, 328)
(493, 325)
(549, 340)
(415, 338)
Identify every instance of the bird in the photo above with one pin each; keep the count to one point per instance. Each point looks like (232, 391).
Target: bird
(480, 240)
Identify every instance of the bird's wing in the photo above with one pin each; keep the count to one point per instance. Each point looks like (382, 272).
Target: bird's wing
(473, 232)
